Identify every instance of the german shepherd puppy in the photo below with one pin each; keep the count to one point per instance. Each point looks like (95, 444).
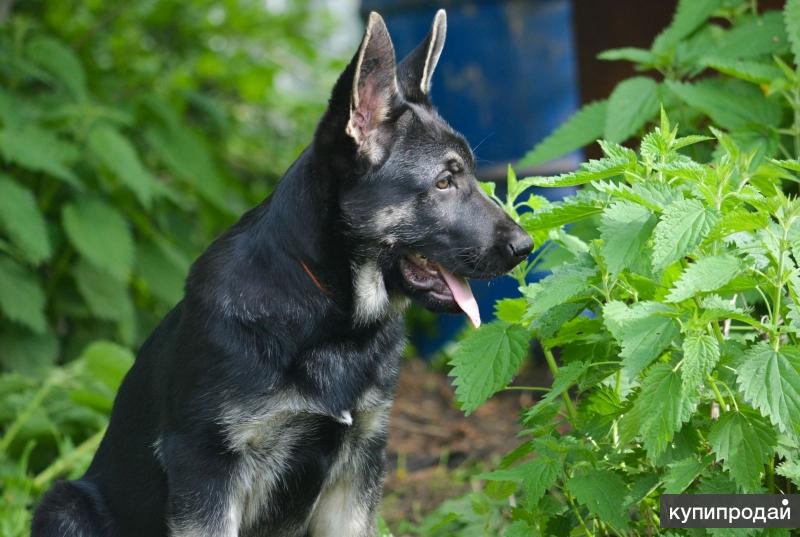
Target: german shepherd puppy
(259, 405)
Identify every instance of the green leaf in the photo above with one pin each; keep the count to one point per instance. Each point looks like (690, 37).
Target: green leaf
(539, 475)
(510, 310)
(739, 219)
(706, 275)
(106, 296)
(791, 470)
(631, 54)
(603, 492)
(686, 141)
(520, 528)
(745, 442)
(752, 37)
(27, 353)
(731, 104)
(107, 362)
(616, 151)
(631, 104)
(689, 15)
(652, 196)
(565, 283)
(594, 170)
(770, 381)
(118, 155)
(486, 360)
(567, 376)
(163, 276)
(187, 154)
(716, 308)
(625, 229)
(100, 234)
(642, 330)
(61, 62)
(21, 297)
(659, 410)
(536, 475)
(681, 228)
(700, 355)
(511, 182)
(682, 473)
(569, 211)
(584, 127)
(755, 72)
(39, 150)
(791, 18)
(546, 324)
(21, 219)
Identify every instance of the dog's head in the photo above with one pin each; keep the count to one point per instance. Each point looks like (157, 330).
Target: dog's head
(413, 206)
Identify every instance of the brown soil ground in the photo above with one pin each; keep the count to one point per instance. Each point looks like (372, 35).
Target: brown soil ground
(431, 441)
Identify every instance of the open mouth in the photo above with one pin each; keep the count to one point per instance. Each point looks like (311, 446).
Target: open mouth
(439, 287)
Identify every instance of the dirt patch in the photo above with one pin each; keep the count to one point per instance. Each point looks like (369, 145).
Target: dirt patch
(432, 443)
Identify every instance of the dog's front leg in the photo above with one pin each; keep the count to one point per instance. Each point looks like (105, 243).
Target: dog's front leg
(348, 504)
(199, 500)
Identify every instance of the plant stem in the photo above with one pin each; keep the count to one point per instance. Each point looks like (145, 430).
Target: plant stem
(771, 475)
(598, 364)
(776, 307)
(578, 515)
(796, 127)
(717, 394)
(27, 412)
(527, 388)
(67, 461)
(551, 363)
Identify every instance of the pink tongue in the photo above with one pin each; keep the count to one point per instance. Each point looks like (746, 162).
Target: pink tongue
(463, 295)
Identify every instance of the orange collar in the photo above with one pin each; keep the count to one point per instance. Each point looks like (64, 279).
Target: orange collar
(314, 279)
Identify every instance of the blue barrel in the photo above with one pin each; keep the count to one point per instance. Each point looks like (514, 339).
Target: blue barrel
(506, 79)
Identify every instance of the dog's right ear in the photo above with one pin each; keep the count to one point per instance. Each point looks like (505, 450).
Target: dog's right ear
(374, 86)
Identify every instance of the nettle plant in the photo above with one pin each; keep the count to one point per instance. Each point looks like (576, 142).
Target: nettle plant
(750, 52)
(672, 330)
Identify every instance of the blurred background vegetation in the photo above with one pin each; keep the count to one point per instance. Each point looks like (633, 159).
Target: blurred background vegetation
(131, 133)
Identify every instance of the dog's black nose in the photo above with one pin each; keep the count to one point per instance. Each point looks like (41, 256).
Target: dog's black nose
(520, 245)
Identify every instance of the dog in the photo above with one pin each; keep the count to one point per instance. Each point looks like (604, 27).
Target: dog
(259, 405)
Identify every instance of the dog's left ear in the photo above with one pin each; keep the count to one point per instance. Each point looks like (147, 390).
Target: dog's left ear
(374, 86)
(416, 70)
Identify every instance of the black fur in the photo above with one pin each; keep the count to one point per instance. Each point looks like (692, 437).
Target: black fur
(259, 404)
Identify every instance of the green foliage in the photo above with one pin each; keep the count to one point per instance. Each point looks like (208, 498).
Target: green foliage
(670, 322)
(631, 104)
(487, 360)
(733, 38)
(770, 381)
(746, 443)
(584, 127)
(129, 138)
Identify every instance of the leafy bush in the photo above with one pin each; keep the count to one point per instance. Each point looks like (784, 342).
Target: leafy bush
(671, 318)
(750, 99)
(130, 135)
(671, 330)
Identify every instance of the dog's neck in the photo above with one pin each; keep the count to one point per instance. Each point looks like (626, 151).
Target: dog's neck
(299, 224)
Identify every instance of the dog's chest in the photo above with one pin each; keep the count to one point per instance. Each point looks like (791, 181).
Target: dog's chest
(290, 442)
(287, 454)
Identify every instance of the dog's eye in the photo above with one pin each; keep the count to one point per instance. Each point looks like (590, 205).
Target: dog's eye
(444, 181)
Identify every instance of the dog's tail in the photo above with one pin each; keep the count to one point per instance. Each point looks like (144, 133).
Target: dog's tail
(71, 509)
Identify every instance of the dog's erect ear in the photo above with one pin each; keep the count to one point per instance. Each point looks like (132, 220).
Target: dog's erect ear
(416, 69)
(374, 81)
